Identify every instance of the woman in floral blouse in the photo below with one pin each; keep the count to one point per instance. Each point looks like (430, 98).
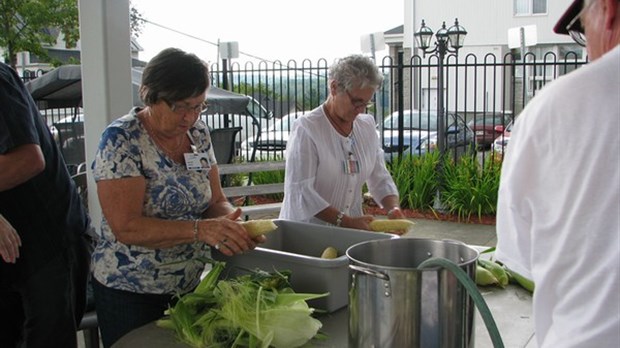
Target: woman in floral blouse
(162, 210)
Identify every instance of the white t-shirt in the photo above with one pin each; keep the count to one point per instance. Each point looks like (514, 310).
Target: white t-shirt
(315, 168)
(558, 218)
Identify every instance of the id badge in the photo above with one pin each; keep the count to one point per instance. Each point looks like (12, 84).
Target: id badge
(351, 166)
(197, 161)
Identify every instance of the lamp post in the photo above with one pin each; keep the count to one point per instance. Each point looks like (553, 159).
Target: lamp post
(447, 40)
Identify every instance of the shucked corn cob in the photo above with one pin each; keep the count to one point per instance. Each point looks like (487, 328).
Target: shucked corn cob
(388, 225)
(329, 253)
(258, 227)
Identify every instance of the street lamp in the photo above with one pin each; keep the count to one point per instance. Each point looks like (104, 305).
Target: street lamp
(447, 40)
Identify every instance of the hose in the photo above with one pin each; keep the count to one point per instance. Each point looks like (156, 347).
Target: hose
(471, 288)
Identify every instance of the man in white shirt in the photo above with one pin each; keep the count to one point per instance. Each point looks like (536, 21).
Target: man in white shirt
(558, 219)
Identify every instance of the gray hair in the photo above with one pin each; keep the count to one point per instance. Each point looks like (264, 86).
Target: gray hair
(355, 71)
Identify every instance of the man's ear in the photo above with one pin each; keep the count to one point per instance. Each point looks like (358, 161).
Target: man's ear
(610, 8)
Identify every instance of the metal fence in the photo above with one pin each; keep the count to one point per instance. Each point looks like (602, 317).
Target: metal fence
(481, 91)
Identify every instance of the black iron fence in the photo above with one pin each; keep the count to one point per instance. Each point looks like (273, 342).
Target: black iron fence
(482, 95)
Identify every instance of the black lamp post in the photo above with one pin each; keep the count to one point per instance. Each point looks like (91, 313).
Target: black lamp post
(447, 40)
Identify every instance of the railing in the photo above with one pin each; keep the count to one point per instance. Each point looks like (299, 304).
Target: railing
(475, 86)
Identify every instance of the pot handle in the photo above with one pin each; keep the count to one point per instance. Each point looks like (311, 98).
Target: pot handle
(370, 272)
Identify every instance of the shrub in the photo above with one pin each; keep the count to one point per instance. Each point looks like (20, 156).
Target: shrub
(271, 177)
(416, 178)
(469, 189)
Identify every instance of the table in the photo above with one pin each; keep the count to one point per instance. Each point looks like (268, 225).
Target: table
(511, 309)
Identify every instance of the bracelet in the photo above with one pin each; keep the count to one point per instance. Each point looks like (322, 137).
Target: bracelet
(392, 210)
(196, 231)
(339, 218)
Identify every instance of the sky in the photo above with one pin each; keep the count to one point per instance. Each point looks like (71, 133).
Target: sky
(267, 29)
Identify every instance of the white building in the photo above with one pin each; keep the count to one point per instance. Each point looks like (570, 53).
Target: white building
(488, 24)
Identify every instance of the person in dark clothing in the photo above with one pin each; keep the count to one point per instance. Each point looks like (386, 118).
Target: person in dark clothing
(44, 245)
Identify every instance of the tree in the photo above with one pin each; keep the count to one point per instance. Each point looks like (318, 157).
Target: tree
(30, 25)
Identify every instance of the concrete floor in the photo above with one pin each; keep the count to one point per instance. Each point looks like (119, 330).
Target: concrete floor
(471, 234)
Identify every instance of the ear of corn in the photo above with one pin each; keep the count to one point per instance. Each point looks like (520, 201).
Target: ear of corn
(329, 253)
(386, 225)
(498, 271)
(527, 284)
(484, 277)
(258, 227)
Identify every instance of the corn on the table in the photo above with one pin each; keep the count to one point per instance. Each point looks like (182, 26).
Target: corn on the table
(485, 277)
(525, 283)
(387, 225)
(329, 253)
(498, 271)
(258, 227)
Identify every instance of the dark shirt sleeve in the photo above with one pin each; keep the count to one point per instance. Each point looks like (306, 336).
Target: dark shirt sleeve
(18, 112)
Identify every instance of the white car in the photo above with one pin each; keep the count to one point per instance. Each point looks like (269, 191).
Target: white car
(272, 142)
(501, 142)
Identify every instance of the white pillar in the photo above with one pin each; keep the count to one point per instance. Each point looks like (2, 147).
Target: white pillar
(106, 76)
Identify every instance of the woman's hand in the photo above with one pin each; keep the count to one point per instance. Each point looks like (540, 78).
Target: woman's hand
(358, 222)
(396, 213)
(235, 215)
(226, 235)
(9, 241)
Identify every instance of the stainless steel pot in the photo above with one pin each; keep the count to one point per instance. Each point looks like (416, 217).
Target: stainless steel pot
(394, 304)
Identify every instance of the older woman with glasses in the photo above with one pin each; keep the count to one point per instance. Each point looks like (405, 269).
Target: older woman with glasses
(162, 210)
(334, 150)
(558, 203)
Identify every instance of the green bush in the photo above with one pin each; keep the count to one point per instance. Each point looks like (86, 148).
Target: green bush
(416, 178)
(470, 189)
(271, 177)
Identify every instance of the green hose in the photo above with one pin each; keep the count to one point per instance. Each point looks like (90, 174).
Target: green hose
(471, 288)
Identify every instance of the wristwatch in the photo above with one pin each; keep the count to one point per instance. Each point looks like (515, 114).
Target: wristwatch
(339, 218)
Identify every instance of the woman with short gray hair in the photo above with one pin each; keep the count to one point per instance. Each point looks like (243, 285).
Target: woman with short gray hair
(334, 150)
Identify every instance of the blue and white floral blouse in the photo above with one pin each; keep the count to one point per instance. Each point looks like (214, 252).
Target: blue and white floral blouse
(172, 192)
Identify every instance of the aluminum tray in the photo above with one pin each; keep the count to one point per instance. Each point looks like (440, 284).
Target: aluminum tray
(297, 247)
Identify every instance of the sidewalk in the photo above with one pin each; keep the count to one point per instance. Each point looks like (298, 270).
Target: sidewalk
(472, 234)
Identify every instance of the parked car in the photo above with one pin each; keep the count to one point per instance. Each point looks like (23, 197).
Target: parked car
(420, 134)
(272, 142)
(485, 128)
(499, 144)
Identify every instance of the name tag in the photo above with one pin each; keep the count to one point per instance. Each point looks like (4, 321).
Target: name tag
(197, 161)
(351, 166)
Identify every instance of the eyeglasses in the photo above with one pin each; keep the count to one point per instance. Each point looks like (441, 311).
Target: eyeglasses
(575, 28)
(359, 103)
(182, 109)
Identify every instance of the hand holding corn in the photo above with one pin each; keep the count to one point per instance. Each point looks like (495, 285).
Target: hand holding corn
(257, 228)
(397, 226)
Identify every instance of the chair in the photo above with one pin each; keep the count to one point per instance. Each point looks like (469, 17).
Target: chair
(71, 143)
(90, 327)
(224, 141)
(81, 183)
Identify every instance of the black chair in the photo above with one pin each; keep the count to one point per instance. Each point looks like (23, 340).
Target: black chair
(81, 183)
(224, 146)
(71, 143)
(91, 329)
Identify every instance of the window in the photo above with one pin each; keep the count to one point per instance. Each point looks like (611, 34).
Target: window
(529, 7)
